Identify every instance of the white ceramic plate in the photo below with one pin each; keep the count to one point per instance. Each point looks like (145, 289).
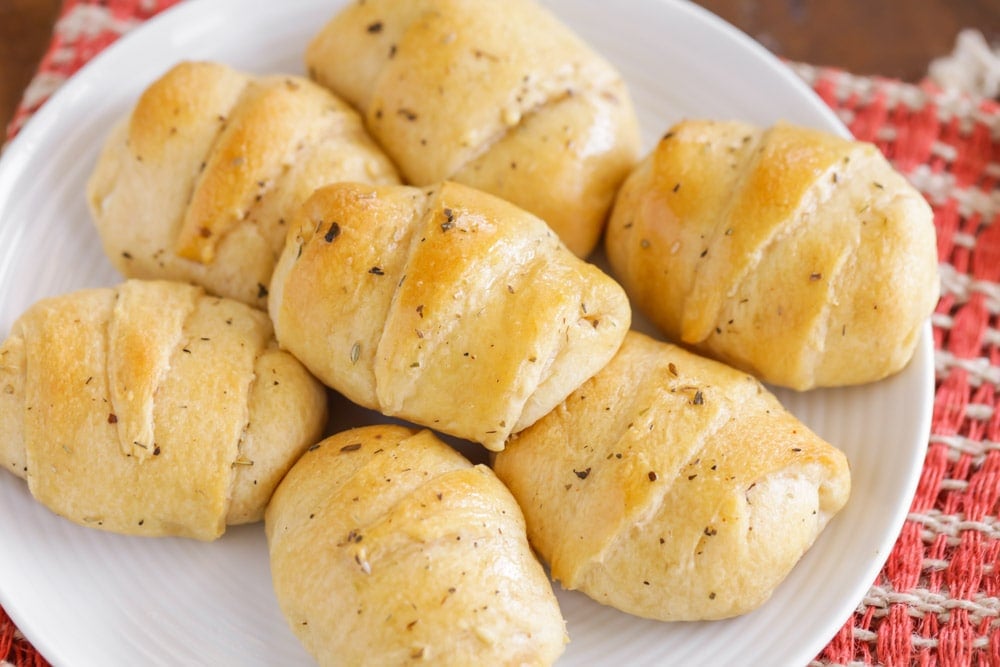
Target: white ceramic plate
(85, 597)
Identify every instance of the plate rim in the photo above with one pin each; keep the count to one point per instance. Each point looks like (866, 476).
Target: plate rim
(23, 148)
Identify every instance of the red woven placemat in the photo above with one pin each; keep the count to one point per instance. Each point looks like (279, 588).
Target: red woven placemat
(936, 600)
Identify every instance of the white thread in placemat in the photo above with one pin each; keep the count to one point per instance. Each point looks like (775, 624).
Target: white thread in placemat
(84, 20)
(950, 104)
(940, 186)
(962, 286)
(959, 445)
(866, 88)
(979, 369)
(980, 411)
(922, 602)
(62, 56)
(917, 641)
(937, 523)
(973, 67)
(41, 88)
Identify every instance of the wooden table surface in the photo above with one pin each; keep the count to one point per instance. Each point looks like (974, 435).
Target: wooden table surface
(896, 38)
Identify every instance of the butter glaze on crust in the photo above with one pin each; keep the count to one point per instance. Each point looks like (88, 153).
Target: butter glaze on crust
(673, 487)
(498, 95)
(152, 409)
(388, 547)
(447, 306)
(791, 253)
(198, 181)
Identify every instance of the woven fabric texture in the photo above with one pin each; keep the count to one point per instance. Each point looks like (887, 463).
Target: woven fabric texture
(936, 600)
(84, 28)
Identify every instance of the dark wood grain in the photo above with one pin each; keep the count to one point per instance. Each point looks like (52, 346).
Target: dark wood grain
(25, 29)
(894, 38)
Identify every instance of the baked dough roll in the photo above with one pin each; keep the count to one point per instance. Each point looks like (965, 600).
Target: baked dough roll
(496, 94)
(673, 487)
(197, 182)
(152, 409)
(388, 547)
(447, 307)
(787, 252)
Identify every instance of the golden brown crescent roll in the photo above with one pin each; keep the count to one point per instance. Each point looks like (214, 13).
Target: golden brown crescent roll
(152, 409)
(197, 182)
(673, 487)
(388, 547)
(498, 95)
(447, 306)
(791, 253)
